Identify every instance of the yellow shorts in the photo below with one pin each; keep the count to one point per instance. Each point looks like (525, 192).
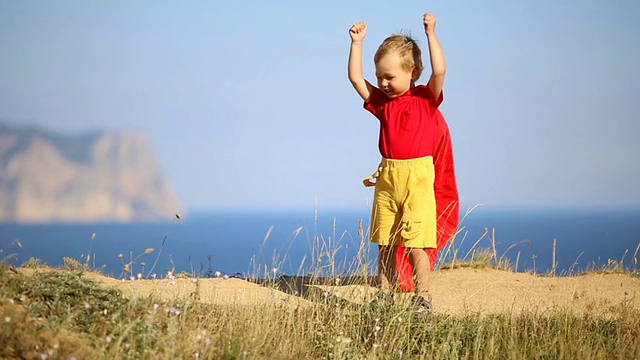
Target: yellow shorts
(404, 203)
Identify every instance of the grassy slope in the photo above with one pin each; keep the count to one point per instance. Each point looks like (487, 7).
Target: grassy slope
(63, 314)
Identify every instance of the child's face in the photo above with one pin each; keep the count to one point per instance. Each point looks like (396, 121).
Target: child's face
(393, 80)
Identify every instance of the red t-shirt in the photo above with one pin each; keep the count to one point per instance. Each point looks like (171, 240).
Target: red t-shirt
(407, 123)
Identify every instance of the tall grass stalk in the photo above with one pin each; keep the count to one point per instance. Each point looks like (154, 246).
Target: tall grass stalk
(89, 257)
(554, 264)
(176, 217)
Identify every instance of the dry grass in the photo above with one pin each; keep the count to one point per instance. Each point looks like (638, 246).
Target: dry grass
(69, 314)
(62, 314)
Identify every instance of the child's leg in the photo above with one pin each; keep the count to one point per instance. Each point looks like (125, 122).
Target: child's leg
(386, 267)
(421, 271)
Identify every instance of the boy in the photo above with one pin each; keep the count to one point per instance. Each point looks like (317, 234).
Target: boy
(404, 210)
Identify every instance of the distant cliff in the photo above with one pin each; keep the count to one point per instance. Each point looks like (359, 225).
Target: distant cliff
(49, 177)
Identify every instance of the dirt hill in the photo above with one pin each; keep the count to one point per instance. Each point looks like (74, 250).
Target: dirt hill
(459, 291)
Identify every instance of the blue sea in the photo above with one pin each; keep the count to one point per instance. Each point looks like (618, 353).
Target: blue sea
(325, 243)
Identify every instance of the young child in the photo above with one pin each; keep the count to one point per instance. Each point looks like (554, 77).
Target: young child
(405, 212)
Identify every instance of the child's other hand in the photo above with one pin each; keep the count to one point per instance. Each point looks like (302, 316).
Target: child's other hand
(429, 21)
(358, 31)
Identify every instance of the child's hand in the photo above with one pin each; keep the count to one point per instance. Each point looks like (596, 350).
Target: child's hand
(429, 21)
(358, 31)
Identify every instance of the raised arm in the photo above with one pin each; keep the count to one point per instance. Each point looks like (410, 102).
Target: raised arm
(436, 55)
(357, 32)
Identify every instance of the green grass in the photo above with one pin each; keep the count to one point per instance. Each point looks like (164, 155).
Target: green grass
(60, 314)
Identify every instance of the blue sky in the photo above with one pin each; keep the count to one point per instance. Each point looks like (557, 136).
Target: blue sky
(248, 105)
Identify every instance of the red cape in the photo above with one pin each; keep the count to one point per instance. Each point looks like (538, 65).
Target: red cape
(447, 204)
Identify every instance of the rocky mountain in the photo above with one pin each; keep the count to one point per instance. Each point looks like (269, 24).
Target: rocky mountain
(50, 177)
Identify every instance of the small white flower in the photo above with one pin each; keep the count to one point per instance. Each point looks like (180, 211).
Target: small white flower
(174, 311)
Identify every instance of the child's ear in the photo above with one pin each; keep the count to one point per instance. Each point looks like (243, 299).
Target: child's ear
(415, 73)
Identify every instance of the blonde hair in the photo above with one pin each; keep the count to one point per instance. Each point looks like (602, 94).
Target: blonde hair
(406, 47)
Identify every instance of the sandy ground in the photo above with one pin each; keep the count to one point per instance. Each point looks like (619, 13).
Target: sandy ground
(459, 291)
(465, 291)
